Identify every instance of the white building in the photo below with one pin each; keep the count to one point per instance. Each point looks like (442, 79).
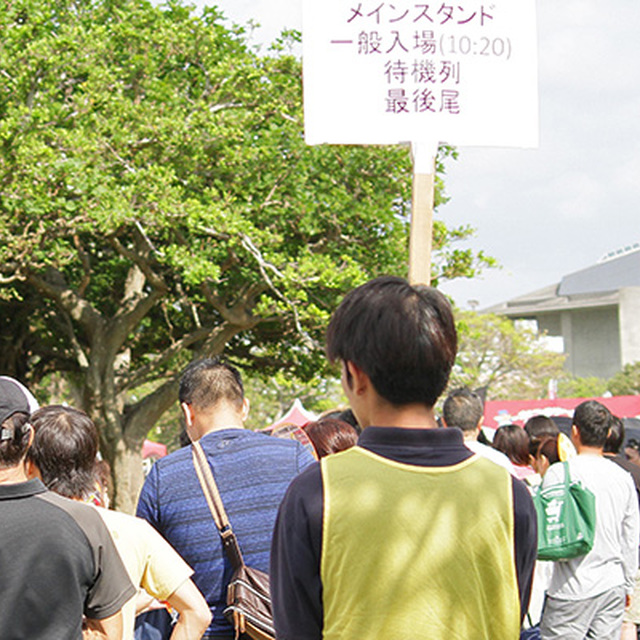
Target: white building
(596, 312)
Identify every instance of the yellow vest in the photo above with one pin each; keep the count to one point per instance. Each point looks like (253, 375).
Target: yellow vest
(422, 553)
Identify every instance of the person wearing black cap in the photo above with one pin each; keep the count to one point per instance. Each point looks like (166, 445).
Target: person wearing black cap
(57, 559)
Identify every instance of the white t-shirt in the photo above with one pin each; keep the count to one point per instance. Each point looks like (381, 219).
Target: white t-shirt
(613, 560)
(491, 454)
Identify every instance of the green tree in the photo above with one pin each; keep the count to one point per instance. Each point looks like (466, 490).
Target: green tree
(158, 202)
(570, 387)
(627, 381)
(507, 358)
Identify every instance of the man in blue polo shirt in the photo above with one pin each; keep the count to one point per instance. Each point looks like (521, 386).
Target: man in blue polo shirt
(252, 471)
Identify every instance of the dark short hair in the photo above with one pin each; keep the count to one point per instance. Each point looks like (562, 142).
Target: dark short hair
(14, 447)
(345, 415)
(402, 336)
(463, 409)
(330, 436)
(615, 436)
(513, 441)
(593, 421)
(547, 446)
(538, 426)
(64, 449)
(207, 382)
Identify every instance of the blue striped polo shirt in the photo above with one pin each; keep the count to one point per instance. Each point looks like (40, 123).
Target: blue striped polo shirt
(252, 471)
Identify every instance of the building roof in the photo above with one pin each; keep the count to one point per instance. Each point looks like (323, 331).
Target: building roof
(596, 286)
(610, 274)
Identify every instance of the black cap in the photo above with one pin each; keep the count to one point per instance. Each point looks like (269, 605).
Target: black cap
(12, 399)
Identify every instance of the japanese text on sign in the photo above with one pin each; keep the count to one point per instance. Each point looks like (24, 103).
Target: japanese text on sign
(410, 66)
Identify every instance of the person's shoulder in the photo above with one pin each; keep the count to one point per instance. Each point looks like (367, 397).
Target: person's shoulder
(73, 508)
(492, 454)
(125, 522)
(621, 472)
(278, 446)
(554, 474)
(308, 482)
(85, 516)
(629, 466)
(596, 463)
(598, 472)
(265, 439)
(173, 460)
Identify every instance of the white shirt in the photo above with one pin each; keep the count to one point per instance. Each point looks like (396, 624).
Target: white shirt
(613, 560)
(491, 454)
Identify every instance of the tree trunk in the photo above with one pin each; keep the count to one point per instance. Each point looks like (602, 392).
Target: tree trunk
(126, 467)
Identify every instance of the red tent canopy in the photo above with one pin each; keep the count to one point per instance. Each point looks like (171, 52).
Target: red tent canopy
(297, 415)
(153, 449)
(501, 412)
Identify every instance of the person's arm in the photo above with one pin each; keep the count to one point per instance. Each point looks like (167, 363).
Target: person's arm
(296, 587)
(194, 616)
(526, 541)
(147, 508)
(630, 536)
(105, 629)
(145, 601)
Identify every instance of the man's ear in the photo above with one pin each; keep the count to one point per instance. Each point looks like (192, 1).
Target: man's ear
(357, 379)
(187, 412)
(246, 407)
(32, 435)
(31, 469)
(575, 435)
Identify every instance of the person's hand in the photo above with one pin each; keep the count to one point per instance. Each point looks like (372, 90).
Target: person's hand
(92, 634)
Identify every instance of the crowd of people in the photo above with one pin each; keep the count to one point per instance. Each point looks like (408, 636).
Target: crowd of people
(380, 522)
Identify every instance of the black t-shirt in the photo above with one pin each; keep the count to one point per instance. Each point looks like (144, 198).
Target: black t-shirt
(57, 562)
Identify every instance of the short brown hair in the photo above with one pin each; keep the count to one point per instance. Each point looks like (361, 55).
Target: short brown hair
(206, 382)
(64, 449)
(330, 436)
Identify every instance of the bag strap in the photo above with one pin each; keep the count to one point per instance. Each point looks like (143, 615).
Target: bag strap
(212, 496)
(567, 475)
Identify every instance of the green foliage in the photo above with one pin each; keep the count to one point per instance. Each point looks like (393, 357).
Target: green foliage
(137, 134)
(591, 387)
(627, 381)
(270, 398)
(507, 358)
(157, 201)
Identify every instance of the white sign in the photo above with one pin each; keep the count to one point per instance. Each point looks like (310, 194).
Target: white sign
(386, 72)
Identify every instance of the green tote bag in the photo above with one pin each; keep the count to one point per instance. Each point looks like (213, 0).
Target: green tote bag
(566, 519)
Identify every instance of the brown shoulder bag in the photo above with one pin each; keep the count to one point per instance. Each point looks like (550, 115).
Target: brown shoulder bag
(248, 598)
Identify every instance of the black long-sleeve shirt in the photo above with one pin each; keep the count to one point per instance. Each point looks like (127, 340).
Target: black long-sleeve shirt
(297, 543)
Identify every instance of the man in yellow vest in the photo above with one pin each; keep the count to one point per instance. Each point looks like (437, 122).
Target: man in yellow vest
(408, 534)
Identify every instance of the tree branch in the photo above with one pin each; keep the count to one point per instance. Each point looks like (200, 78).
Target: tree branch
(155, 280)
(239, 313)
(139, 417)
(86, 265)
(141, 375)
(67, 299)
(264, 267)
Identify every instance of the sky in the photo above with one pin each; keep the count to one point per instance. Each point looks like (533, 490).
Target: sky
(546, 212)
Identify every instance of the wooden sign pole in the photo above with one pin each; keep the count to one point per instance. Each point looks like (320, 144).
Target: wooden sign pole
(420, 240)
